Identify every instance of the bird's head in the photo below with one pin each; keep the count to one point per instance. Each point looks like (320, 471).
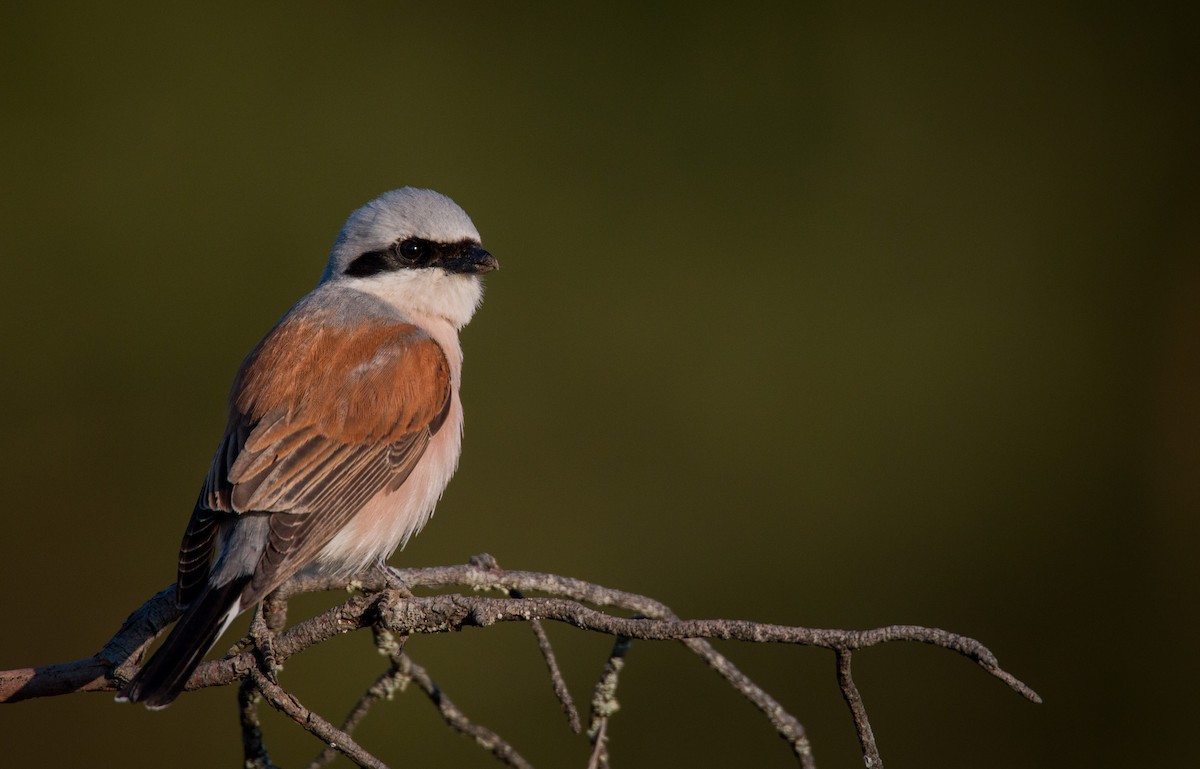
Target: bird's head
(417, 250)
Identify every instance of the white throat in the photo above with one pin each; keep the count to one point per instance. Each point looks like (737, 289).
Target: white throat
(427, 293)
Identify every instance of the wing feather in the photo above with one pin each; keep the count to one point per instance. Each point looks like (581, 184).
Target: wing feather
(322, 419)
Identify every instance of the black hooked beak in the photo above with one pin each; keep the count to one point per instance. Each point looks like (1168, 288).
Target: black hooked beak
(472, 258)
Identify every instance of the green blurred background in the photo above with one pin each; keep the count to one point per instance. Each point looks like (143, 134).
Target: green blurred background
(812, 315)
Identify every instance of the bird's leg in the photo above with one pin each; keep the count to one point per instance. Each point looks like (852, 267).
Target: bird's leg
(263, 638)
(392, 579)
(272, 614)
(398, 590)
(275, 609)
(388, 643)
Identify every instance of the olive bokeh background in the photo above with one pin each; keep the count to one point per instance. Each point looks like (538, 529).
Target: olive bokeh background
(808, 314)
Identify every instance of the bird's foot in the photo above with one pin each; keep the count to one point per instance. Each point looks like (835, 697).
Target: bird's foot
(393, 580)
(263, 639)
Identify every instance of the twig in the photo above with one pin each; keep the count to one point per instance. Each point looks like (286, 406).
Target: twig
(287, 703)
(454, 612)
(557, 681)
(456, 719)
(482, 571)
(390, 607)
(253, 749)
(858, 711)
(604, 703)
(382, 688)
(488, 562)
(599, 757)
(404, 670)
(786, 725)
(556, 677)
(401, 671)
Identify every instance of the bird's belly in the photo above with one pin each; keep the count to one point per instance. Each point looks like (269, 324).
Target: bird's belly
(389, 519)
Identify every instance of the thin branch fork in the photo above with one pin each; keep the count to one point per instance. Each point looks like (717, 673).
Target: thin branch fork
(386, 605)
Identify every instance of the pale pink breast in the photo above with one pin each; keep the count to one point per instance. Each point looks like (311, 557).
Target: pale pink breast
(387, 521)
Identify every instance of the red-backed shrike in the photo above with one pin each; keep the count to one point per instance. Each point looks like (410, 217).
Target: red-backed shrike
(344, 425)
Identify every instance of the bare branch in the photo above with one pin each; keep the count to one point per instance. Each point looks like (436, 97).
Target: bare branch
(115, 662)
(397, 677)
(87, 675)
(786, 725)
(454, 612)
(604, 703)
(559, 684)
(866, 737)
(287, 703)
(384, 686)
(388, 682)
(556, 677)
(484, 737)
(253, 749)
(388, 606)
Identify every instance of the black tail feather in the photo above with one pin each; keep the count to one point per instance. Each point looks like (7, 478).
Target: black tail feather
(161, 679)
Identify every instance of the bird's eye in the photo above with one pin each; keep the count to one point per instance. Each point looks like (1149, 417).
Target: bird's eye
(412, 250)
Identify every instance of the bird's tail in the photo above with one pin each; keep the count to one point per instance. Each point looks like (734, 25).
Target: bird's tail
(161, 679)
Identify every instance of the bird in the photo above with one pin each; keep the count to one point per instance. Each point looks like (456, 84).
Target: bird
(344, 425)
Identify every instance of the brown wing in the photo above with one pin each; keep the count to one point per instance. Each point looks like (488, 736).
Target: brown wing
(322, 419)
